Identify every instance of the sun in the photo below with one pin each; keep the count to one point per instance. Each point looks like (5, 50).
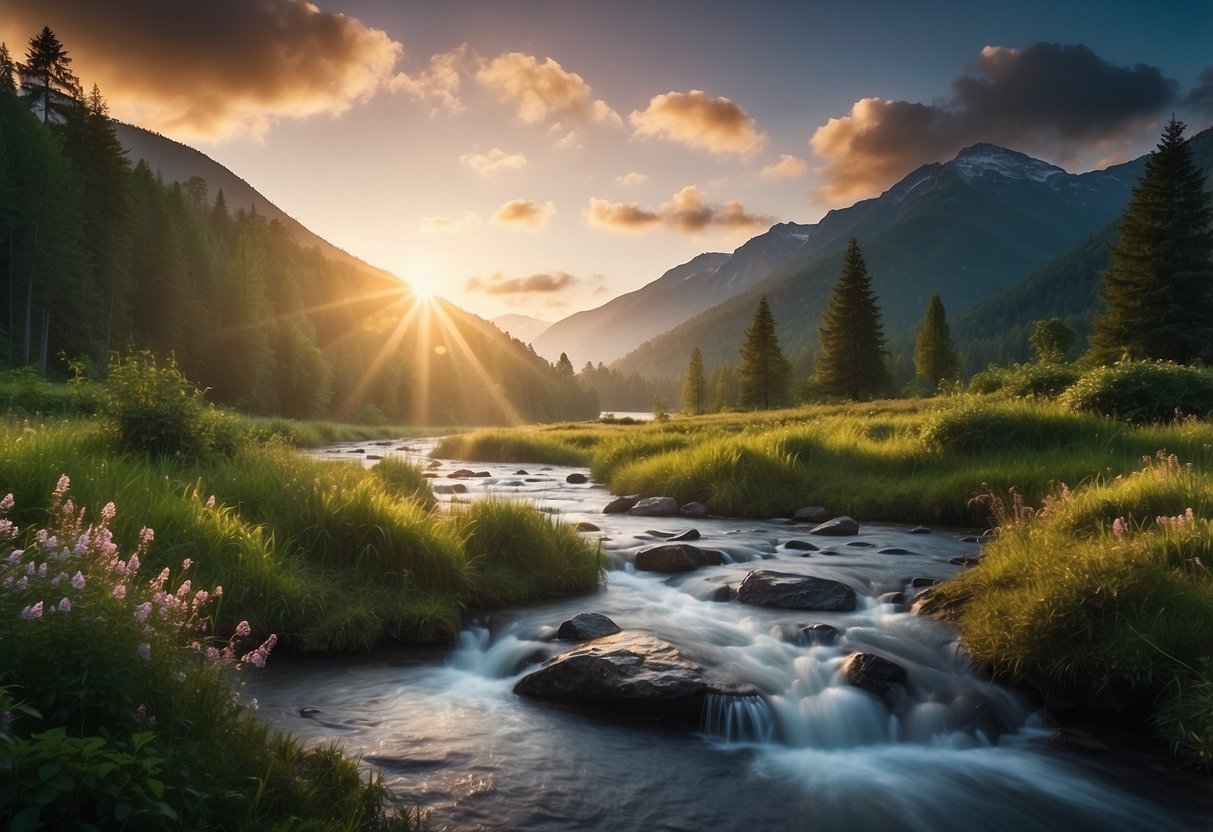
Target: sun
(424, 277)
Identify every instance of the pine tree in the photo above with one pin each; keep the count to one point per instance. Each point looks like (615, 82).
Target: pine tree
(935, 356)
(723, 399)
(852, 362)
(47, 82)
(694, 385)
(8, 70)
(564, 366)
(764, 369)
(1159, 290)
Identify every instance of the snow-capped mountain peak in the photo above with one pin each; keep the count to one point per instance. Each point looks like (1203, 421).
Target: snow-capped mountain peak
(984, 159)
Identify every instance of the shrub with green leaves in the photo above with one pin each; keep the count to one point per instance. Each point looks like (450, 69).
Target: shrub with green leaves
(153, 409)
(1143, 391)
(1045, 380)
(972, 425)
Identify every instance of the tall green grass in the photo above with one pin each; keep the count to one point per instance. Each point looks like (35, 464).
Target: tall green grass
(520, 446)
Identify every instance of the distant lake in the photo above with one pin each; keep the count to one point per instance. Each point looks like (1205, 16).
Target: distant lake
(638, 415)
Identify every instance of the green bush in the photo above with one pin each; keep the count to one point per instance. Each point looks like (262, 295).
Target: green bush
(152, 409)
(1042, 380)
(1143, 391)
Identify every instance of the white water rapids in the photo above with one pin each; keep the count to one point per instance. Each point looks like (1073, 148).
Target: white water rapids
(810, 752)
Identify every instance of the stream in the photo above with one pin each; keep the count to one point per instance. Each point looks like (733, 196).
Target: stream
(810, 752)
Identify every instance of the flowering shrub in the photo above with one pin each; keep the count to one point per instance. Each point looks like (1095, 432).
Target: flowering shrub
(87, 645)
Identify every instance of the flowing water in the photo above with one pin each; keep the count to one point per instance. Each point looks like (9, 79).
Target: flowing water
(809, 752)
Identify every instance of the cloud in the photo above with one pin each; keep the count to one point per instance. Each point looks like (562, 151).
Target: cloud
(630, 179)
(624, 216)
(444, 225)
(698, 121)
(788, 167)
(495, 161)
(214, 69)
(523, 213)
(687, 211)
(543, 91)
(1200, 97)
(1063, 101)
(440, 85)
(544, 282)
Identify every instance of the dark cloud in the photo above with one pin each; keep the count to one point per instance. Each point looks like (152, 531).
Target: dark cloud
(1053, 99)
(543, 282)
(211, 68)
(1200, 97)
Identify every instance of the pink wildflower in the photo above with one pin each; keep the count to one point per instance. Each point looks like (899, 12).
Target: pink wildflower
(78, 580)
(1119, 527)
(257, 657)
(119, 591)
(184, 589)
(65, 605)
(145, 650)
(62, 486)
(210, 503)
(107, 513)
(186, 564)
(23, 582)
(33, 612)
(143, 611)
(7, 503)
(212, 655)
(58, 579)
(243, 630)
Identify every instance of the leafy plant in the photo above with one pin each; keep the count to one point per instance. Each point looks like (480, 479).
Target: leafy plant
(1143, 391)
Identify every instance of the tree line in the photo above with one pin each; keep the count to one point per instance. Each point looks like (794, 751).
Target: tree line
(98, 257)
(1157, 297)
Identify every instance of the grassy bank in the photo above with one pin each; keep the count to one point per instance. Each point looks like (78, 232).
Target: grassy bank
(1097, 588)
(102, 696)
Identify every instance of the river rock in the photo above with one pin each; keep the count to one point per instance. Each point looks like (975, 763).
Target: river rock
(453, 488)
(920, 530)
(819, 634)
(522, 472)
(800, 546)
(655, 507)
(895, 550)
(585, 626)
(583, 526)
(576, 479)
(621, 505)
(722, 594)
(633, 673)
(693, 509)
(877, 675)
(923, 583)
(767, 588)
(463, 473)
(689, 534)
(810, 514)
(838, 527)
(897, 599)
(676, 557)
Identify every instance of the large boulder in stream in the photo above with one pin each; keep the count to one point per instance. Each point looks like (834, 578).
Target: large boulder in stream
(838, 527)
(655, 507)
(636, 674)
(621, 505)
(585, 626)
(676, 557)
(877, 675)
(768, 588)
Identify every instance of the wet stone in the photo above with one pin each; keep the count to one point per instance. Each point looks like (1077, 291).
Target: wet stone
(587, 527)
(800, 546)
(453, 488)
(676, 557)
(877, 675)
(693, 510)
(621, 505)
(923, 583)
(920, 530)
(894, 550)
(689, 534)
(861, 544)
(838, 527)
(768, 588)
(819, 635)
(585, 626)
(576, 478)
(811, 514)
(655, 507)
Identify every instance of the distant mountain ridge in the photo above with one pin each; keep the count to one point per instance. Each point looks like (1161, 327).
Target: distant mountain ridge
(967, 228)
(176, 162)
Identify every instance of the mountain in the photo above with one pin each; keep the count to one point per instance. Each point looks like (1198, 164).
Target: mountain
(523, 327)
(611, 330)
(967, 229)
(255, 307)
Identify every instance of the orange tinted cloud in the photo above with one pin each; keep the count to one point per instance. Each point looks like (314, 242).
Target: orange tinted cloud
(788, 167)
(543, 91)
(698, 121)
(442, 224)
(633, 178)
(1050, 99)
(687, 211)
(440, 85)
(495, 161)
(214, 69)
(523, 213)
(544, 282)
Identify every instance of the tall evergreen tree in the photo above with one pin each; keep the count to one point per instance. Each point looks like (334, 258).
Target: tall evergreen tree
(935, 357)
(852, 362)
(724, 393)
(764, 369)
(8, 71)
(694, 385)
(47, 81)
(1159, 290)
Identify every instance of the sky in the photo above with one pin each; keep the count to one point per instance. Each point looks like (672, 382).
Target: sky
(540, 157)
